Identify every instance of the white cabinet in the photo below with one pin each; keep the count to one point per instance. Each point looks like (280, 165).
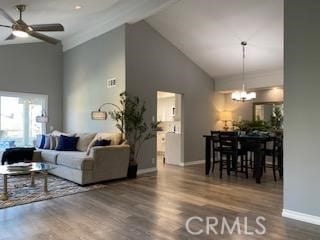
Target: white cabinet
(167, 109)
(177, 111)
(173, 148)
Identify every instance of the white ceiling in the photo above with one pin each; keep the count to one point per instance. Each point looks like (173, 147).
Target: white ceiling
(210, 31)
(93, 19)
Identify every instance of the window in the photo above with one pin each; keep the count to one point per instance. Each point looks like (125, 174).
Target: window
(18, 111)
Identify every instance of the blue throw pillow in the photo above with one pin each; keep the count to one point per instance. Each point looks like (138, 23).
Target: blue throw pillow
(42, 141)
(102, 143)
(67, 143)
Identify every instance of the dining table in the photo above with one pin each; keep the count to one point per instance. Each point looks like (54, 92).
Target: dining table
(250, 142)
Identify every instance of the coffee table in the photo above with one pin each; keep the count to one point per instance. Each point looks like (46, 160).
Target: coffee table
(34, 168)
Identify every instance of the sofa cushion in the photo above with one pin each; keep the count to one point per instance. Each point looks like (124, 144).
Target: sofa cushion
(67, 143)
(42, 141)
(47, 142)
(75, 160)
(102, 143)
(84, 140)
(49, 156)
(114, 137)
(38, 141)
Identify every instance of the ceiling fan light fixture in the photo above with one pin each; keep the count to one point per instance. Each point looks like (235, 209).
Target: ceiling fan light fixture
(20, 34)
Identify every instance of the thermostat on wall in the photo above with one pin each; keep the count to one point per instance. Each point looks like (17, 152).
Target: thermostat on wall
(111, 82)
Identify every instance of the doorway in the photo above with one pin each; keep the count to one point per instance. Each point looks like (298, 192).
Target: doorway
(170, 136)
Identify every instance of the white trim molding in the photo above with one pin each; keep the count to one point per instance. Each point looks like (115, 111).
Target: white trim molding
(184, 164)
(146, 170)
(301, 216)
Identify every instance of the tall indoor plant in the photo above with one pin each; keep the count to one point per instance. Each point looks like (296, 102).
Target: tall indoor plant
(277, 118)
(132, 123)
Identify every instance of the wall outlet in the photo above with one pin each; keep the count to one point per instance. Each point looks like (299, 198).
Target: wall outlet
(51, 128)
(111, 82)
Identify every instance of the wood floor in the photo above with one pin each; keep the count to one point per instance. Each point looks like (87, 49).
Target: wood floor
(157, 207)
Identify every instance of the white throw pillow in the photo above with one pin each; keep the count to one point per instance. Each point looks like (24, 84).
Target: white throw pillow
(53, 142)
(84, 140)
(56, 138)
(58, 134)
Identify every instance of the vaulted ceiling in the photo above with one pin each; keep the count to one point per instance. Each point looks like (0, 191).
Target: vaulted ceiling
(94, 18)
(210, 32)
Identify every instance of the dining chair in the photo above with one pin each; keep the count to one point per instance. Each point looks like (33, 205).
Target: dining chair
(229, 152)
(215, 148)
(276, 152)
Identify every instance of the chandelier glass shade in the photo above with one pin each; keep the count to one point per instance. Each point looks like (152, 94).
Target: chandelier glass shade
(243, 95)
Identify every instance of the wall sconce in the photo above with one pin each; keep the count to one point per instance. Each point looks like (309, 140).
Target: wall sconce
(226, 117)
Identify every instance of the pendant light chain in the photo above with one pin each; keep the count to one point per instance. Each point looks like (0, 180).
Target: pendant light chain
(243, 57)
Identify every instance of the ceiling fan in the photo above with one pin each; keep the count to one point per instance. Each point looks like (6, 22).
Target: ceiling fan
(22, 30)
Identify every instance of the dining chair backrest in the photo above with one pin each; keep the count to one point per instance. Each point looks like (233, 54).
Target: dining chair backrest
(228, 141)
(215, 135)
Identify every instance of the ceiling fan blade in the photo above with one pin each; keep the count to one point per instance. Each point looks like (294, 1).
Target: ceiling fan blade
(43, 37)
(7, 16)
(11, 37)
(54, 27)
(5, 26)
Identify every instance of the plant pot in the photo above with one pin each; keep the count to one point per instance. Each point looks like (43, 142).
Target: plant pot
(132, 171)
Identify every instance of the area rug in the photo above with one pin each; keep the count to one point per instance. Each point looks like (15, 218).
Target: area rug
(20, 190)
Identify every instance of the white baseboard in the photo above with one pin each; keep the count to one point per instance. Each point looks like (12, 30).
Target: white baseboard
(301, 216)
(183, 164)
(147, 170)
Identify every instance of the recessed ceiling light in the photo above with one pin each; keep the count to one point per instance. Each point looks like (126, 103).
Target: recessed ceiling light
(78, 7)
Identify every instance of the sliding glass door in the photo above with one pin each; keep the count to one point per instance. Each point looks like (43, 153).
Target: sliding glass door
(18, 111)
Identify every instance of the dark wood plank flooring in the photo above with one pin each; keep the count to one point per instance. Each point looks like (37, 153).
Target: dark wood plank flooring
(156, 207)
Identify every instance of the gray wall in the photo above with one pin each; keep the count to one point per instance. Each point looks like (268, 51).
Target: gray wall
(34, 68)
(86, 70)
(154, 64)
(301, 81)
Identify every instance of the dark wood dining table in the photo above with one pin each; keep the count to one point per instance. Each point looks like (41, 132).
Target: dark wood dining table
(252, 143)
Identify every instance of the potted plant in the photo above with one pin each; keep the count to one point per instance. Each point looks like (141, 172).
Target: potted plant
(277, 119)
(249, 126)
(133, 125)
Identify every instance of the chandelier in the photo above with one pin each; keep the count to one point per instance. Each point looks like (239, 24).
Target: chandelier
(243, 95)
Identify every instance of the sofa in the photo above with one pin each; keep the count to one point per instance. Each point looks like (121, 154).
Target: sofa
(89, 164)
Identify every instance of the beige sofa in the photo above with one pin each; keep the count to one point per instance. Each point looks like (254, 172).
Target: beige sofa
(97, 164)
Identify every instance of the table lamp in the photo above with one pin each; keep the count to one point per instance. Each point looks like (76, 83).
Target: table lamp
(226, 116)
